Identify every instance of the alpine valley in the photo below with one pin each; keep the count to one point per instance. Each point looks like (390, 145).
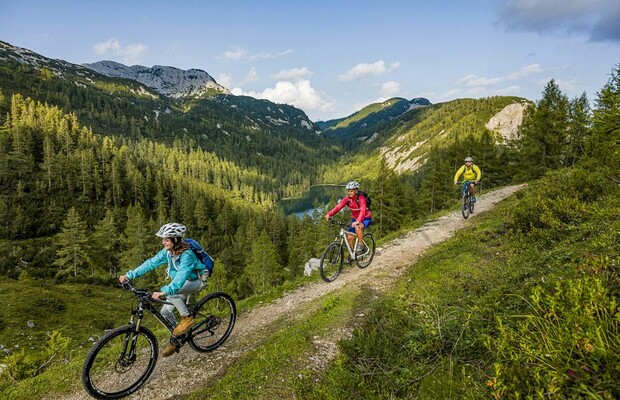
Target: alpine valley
(94, 158)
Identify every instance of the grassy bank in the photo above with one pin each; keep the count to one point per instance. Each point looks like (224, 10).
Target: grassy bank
(525, 303)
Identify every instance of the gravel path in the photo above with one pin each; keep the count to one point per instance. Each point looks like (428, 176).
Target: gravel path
(391, 260)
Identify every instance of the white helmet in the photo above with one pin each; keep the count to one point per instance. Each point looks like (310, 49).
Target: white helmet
(171, 230)
(352, 185)
(469, 159)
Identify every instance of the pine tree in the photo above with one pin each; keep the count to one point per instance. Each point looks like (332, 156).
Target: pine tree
(73, 245)
(544, 133)
(105, 245)
(136, 239)
(263, 269)
(579, 128)
(605, 140)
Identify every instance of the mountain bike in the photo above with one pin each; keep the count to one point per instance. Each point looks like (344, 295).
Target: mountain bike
(467, 204)
(122, 360)
(333, 256)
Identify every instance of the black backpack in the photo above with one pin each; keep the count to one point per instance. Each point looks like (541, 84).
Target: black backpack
(366, 195)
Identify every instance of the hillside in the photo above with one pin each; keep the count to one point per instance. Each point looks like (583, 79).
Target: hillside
(444, 124)
(255, 328)
(248, 132)
(448, 131)
(364, 125)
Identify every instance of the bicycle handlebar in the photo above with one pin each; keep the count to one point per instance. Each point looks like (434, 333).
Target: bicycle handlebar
(343, 224)
(142, 293)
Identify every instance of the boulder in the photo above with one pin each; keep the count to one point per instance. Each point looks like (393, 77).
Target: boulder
(311, 266)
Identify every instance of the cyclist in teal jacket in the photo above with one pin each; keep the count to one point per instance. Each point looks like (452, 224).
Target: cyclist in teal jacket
(182, 268)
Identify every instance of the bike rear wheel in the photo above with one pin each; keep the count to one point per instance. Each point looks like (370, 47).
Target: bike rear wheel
(363, 260)
(215, 318)
(331, 262)
(120, 362)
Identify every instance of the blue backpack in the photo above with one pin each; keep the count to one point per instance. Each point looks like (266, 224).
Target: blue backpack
(201, 254)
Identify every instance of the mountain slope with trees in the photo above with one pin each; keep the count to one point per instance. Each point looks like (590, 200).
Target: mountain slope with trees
(248, 132)
(363, 125)
(90, 170)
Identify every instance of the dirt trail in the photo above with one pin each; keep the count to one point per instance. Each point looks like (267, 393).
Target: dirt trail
(390, 262)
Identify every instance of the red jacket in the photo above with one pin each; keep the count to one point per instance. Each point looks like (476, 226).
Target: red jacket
(359, 212)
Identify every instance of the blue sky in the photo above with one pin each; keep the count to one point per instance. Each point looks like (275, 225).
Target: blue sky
(332, 57)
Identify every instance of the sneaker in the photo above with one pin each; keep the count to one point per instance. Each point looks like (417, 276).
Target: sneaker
(360, 249)
(169, 350)
(187, 322)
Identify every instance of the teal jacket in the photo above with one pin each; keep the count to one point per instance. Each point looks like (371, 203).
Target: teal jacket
(181, 268)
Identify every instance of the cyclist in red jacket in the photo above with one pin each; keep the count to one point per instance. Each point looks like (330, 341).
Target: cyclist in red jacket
(362, 217)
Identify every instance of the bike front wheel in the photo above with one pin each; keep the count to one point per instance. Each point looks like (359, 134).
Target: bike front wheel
(215, 319)
(465, 207)
(331, 262)
(120, 362)
(364, 259)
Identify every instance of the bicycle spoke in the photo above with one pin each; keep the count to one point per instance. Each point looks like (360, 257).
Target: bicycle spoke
(120, 363)
(215, 319)
(331, 262)
(364, 260)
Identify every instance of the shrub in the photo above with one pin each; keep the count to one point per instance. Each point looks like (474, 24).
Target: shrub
(561, 200)
(22, 364)
(567, 346)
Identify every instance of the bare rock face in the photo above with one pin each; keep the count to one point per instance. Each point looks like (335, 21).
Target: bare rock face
(311, 266)
(507, 121)
(169, 81)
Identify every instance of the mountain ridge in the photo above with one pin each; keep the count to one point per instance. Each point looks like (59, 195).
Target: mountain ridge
(166, 80)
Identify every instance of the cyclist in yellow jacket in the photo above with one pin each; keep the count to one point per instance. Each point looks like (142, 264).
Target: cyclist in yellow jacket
(471, 173)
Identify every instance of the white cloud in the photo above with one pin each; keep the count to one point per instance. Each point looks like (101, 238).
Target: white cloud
(259, 56)
(225, 80)
(236, 53)
(568, 86)
(292, 75)
(130, 54)
(251, 76)
(472, 80)
(241, 54)
(435, 97)
(390, 89)
(394, 66)
(300, 94)
(364, 70)
(513, 89)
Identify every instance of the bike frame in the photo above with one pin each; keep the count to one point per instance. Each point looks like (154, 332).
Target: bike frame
(146, 303)
(341, 237)
(465, 188)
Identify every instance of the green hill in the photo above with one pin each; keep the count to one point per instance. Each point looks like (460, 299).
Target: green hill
(365, 124)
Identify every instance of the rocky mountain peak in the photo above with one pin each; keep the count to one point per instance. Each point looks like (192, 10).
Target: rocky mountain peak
(169, 81)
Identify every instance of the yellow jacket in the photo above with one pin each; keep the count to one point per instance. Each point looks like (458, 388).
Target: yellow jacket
(469, 174)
